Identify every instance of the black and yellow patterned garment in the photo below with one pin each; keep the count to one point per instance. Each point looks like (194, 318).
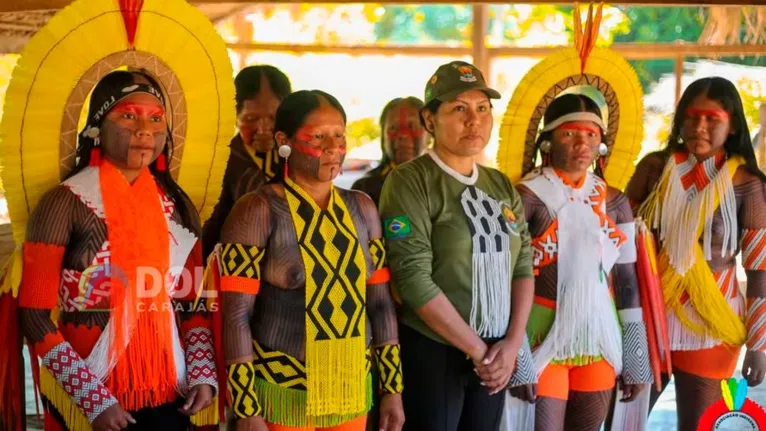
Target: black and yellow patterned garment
(246, 171)
(323, 306)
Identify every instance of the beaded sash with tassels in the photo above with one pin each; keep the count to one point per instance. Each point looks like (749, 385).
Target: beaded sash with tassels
(335, 268)
(682, 207)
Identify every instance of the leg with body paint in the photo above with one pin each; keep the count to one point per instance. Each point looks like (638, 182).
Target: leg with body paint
(694, 394)
(552, 395)
(586, 411)
(550, 414)
(591, 387)
(697, 375)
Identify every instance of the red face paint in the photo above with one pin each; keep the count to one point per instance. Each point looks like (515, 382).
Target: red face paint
(578, 127)
(403, 130)
(307, 149)
(305, 143)
(305, 134)
(714, 113)
(140, 109)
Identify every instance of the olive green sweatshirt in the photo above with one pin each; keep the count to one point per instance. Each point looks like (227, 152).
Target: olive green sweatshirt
(429, 239)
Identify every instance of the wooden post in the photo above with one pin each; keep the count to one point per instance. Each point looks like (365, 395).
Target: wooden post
(480, 55)
(244, 30)
(478, 45)
(679, 72)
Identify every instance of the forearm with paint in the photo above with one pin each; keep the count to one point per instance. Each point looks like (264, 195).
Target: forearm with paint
(635, 352)
(388, 358)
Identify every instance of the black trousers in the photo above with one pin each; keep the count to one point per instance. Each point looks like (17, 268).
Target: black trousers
(441, 390)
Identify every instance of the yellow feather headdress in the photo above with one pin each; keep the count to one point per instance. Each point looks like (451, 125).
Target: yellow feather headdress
(170, 40)
(583, 64)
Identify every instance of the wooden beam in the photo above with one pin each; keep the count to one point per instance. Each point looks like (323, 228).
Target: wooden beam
(647, 51)
(356, 50)
(634, 51)
(22, 5)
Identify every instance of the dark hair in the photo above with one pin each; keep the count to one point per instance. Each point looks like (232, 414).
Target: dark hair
(102, 92)
(725, 93)
(412, 101)
(563, 105)
(292, 113)
(248, 83)
(433, 107)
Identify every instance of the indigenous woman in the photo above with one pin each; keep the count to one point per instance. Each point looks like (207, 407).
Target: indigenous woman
(253, 160)
(461, 262)
(705, 198)
(108, 257)
(306, 300)
(586, 324)
(113, 219)
(402, 138)
(583, 237)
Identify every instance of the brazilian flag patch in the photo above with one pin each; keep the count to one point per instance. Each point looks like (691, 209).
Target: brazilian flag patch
(397, 227)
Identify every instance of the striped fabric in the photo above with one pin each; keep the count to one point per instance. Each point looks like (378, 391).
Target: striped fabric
(756, 324)
(696, 176)
(754, 249)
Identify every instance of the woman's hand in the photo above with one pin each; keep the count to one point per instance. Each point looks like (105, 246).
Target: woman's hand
(199, 397)
(498, 365)
(630, 392)
(754, 367)
(526, 393)
(391, 413)
(113, 419)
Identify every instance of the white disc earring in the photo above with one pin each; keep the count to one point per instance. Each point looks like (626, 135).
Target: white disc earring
(545, 146)
(285, 151)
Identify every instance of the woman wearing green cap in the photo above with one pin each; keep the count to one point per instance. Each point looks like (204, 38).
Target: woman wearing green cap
(461, 262)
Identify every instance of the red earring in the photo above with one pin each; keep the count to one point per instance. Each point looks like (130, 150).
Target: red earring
(95, 156)
(546, 159)
(161, 163)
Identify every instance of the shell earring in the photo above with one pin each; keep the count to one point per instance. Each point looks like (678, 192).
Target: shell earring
(545, 146)
(602, 149)
(285, 151)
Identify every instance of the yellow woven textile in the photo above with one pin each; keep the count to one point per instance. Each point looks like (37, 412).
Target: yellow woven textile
(335, 269)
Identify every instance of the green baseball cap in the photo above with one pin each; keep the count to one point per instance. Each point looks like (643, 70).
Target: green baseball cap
(454, 78)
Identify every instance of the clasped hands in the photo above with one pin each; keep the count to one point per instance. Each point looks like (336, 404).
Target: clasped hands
(495, 364)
